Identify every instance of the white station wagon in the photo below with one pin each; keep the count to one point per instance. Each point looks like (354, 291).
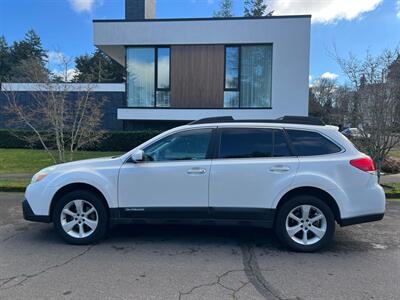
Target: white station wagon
(294, 174)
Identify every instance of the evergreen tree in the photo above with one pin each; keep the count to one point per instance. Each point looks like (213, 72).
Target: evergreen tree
(255, 8)
(225, 9)
(29, 49)
(98, 67)
(5, 59)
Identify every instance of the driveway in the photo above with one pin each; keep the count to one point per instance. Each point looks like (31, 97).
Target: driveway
(170, 262)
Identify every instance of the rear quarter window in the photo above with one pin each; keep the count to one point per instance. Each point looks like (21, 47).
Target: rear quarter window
(309, 143)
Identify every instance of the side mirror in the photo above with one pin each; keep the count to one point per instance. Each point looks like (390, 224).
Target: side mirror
(137, 156)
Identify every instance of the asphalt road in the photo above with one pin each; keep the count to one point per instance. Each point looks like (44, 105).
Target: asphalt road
(170, 262)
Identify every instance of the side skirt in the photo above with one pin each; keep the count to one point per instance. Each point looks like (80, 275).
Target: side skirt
(260, 217)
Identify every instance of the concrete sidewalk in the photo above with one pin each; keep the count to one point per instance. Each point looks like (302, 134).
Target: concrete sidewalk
(394, 178)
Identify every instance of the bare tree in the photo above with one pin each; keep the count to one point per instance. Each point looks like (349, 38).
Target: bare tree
(60, 124)
(324, 92)
(376, 97)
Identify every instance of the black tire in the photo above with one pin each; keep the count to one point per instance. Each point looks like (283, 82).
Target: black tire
(102, 217)
(286, 208)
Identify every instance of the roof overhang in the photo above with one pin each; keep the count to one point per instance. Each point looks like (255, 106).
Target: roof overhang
(112, 36)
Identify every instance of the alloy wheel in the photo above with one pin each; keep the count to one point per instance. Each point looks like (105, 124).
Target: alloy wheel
(306, 224)
(79, 218)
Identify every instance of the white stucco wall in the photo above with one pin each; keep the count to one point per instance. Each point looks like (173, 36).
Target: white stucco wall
(290, 37)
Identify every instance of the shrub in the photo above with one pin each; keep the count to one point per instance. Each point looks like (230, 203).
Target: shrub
(391, 165)
(123, 140)
(112, 140)
(10, 140)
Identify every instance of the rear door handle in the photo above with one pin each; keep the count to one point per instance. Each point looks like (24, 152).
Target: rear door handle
(279, 169)
(196, 171)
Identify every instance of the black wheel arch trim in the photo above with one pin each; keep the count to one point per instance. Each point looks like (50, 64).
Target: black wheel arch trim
(316, 192)
(74, 187)
(29, 215)
(361, 219)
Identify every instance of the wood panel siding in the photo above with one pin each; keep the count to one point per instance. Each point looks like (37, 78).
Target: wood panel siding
(197, 76)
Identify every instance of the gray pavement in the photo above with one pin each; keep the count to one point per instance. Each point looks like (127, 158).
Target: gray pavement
(172, 262)
(393, 178)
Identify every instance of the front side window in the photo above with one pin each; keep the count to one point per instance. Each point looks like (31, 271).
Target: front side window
(187, 145)
(148, 79)
(248, 76)
(308, 143)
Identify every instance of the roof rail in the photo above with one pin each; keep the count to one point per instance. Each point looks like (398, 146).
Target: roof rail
(225, 119)
(284, 119)
(302, 120)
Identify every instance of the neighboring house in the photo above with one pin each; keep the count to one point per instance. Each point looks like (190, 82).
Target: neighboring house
(185, 69)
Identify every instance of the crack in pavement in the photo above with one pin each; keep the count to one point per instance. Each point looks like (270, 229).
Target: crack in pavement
(25, 277)
(256, 278)
(253, 273)
(9, 237)
(217, 282)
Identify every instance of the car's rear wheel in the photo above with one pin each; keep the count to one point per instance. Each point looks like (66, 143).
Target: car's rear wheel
(305, 223)
(80, 217)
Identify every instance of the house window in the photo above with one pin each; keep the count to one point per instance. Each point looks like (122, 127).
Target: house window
(248, 79)
(148, 76)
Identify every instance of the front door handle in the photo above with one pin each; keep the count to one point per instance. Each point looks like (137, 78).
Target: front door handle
(196, 171)
(279, 169)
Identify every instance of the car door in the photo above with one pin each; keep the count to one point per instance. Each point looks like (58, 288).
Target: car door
(253, 165)
(173, 179)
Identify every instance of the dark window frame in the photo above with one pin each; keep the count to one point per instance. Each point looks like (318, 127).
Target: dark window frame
(156, 88)
(239, 68)
(239, 46)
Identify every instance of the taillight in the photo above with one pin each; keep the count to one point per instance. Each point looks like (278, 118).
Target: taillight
(365, 164)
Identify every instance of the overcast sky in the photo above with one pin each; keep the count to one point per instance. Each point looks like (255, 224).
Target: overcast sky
(352, 25)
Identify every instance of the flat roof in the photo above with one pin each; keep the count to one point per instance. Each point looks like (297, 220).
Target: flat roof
(202, 19)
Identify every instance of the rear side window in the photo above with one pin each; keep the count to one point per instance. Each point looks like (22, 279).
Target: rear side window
(308, 143)
(252, 142)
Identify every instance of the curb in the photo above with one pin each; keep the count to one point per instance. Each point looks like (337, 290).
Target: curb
(393, 196)
(12, 189)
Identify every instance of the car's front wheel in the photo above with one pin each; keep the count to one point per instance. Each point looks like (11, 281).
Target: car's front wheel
(80, 217)
(305, 223)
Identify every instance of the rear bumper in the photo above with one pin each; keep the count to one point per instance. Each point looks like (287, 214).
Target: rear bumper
(361, 219)
(29, 215)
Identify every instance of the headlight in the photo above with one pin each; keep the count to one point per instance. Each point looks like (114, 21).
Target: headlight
(42, 174)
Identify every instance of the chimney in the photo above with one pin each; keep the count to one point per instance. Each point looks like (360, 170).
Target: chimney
(140, 9)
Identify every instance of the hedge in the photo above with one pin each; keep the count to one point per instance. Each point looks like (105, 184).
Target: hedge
(112, 140)
(123, 140)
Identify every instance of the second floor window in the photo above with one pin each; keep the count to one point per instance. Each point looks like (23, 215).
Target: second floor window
(148, 76)
(248, 76)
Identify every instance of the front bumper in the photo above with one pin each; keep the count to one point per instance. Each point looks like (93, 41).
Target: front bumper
(361, 219)
(29, 215)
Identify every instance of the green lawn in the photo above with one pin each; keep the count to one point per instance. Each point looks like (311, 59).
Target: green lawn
(395, 153)
(14, 184)
(392, 187)
(30, 161)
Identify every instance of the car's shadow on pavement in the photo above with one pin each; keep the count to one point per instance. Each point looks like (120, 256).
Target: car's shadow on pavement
(125, 235)
(200, 235)
(193, 234)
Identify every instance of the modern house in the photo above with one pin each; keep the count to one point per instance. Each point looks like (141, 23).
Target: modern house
(185, 69)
